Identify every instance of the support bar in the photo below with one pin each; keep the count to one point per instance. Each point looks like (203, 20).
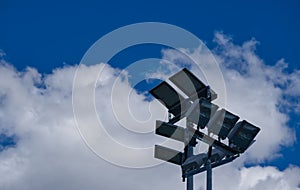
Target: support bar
(213, 165)
(213, 142)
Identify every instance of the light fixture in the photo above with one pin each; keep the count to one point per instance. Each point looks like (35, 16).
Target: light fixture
(193, 162)
(200, 112)
(174, 132)
(188, 83)
(242, 135)
(166, 94)
(221, 123)
(170, 131)
(168, 154)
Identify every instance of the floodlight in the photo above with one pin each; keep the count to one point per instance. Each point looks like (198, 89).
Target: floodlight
(170, 131)
(211, 141)
(196, 161)
(174, 132)
(221, 123)
(169, 155)
(213, 165)
(200, 112)
(166, 94)
(242, 135)
(193, 162)
(217, 155)
(192, 86)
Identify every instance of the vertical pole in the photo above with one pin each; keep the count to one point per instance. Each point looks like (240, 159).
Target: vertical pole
(209, 171)
(190, 180)
(208, 175)
(188, 152)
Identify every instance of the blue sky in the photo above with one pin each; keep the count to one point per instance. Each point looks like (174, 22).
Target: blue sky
(63, 30)
(50, 34)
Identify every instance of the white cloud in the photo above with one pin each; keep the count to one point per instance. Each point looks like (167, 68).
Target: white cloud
(50, 153)
(257, 92)
(258, 178)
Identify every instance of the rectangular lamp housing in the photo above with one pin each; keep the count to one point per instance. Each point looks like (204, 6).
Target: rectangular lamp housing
(188, 83)
(242, 135)
(168, 154)
(201, 112)
(168, 96)
(222, 123)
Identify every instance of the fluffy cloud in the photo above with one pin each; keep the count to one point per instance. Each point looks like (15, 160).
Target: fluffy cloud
(257, 178)
(50, 153)
(263, 90)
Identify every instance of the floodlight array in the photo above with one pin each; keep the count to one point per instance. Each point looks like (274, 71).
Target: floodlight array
(201, 113)
(199, 110)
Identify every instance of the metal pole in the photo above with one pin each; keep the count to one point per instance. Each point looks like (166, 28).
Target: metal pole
(189, 151)
(209, 170)
(189, 183)
(208, 175)
(190, 180)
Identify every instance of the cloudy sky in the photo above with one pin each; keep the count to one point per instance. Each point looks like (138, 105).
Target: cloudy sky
(56, 97)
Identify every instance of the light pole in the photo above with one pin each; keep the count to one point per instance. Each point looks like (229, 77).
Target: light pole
(200, 113)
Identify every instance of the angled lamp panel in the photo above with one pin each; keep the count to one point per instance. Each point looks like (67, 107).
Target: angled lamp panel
(169, 155)
(217, 155)
(170, 131)
(242, 135)
(213, 165)
(196, 162)
(222, 123)
(193, 162)
(168, 97)
(200, 112)
(192, 86)
(216, 144)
